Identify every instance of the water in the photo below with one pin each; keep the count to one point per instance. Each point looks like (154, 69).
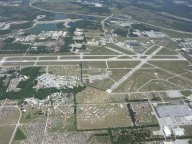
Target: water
(72, 24)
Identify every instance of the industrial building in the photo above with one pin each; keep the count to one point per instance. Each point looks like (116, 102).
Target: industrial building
(173, 110)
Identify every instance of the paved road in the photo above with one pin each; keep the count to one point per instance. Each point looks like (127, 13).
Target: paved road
(103, 24)
(132, 71)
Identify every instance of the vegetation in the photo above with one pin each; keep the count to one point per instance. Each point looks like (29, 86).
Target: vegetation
(21, 26)
(2, 32)
(129, 136)
(186, 93)
(43, 93)
(26, 86)
(14, 47)
(20, 135)
(121, 32)
(23, 12)
(27, 89)
(132, 114)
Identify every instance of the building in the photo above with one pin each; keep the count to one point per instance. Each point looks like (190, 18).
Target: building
(173, 110)
(178, 131)
(167, 131)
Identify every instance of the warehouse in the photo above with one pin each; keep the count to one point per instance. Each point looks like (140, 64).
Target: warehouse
(173, 110)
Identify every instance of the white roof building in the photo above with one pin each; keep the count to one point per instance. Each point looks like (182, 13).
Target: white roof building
(167, 131)
(178, 131)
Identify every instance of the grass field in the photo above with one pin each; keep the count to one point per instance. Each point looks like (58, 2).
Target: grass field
(177, 67)
(100, 51)
(93, 64)
(31, 114)
(6, 133)
(122, 64)
(102, 116)
(9, 116)
(69, 70)
(124, 51)
(155, 19)
(106, 83)
(160, 85)
(100, 139)
(71, 7)
(140, 78)
(144, 114)
(91, 95)
(19, 135)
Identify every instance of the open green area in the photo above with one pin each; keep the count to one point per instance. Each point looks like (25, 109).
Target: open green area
(6, 133)
(131, 136)
(21, 26)
(23, 12)
(102, 138)
(20, 135)
(155, 19)
(186, 92)
(72, 7)
(178, 67)
(8, 47)
(2, 32)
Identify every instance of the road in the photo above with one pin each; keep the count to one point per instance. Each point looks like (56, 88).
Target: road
(58, 59)
(103, 24)
(132, 71)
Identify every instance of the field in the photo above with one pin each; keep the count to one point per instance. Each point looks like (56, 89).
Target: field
(100, 139)
(104, 84)
(102, 116)
(177, 67)
(31, 114)
(140, 78)
(71, 8)
(91, 95)
(70, 70)
(9, 115)
(122, 64)
(155, 19)
(93, 64)
(6, 133)
(143, 114)
(104, 92)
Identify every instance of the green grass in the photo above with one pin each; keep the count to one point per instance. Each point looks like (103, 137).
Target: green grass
(173, 34)
(186, 93)
(20, 135)
(155, 19)
(100, 51)
(6, 133)
(177, 67)
(122, 64)
(166, 51)
(150, 51)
